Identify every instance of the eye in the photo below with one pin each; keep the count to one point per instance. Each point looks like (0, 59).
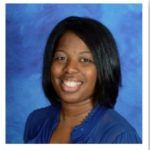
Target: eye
(86, 60)
(60, 58)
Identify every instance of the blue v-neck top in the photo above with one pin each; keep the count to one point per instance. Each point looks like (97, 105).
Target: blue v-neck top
(103, 125)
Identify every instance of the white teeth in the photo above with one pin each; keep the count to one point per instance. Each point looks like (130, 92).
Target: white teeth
(72, 83)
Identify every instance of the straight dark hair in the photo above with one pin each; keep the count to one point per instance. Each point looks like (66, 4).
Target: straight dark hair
(104, 49)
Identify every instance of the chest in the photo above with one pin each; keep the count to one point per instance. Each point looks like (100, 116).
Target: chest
(61, 134)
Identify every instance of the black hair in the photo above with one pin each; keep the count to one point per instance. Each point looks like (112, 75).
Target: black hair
(104, 49)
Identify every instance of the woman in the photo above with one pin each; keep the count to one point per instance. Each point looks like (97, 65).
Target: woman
(81, 79)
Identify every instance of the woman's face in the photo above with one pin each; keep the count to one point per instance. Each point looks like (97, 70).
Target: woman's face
(73, 71)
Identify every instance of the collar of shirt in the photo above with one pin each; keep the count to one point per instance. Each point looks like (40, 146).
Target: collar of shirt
(79, 132)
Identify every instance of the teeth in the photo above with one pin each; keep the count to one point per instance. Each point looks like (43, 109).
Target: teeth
(71, 83)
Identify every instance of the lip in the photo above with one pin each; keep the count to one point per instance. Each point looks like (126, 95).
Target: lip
(71, 85)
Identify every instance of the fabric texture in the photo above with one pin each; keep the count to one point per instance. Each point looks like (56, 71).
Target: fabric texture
(27, 29)
(102, 125)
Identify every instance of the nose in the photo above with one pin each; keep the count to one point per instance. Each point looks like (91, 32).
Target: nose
(71, 67)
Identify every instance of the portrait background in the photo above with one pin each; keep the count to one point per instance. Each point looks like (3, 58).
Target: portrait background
(27, 29)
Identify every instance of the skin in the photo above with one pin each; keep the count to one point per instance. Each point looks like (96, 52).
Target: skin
(73, 75)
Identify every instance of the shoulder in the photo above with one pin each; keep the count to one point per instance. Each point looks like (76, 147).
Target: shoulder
(36, 120)
(113, 117)
(41, 113)
(115, 128)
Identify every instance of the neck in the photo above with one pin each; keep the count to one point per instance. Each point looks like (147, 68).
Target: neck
(76, 112)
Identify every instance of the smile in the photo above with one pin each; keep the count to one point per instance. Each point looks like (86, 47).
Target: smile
(72, 83)
(71, 86)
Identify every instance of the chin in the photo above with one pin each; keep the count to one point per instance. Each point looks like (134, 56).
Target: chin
(70, 100)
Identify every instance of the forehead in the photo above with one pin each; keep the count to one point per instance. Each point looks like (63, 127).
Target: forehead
(71, 42)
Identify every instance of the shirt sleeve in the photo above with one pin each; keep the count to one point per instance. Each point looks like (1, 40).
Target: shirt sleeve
(35, 122)
(28, 131)
(127, 138)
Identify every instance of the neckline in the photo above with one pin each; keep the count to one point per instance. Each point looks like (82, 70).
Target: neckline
(87, 118)
(76, 128)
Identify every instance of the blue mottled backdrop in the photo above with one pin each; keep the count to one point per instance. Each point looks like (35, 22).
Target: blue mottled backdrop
(27, 29)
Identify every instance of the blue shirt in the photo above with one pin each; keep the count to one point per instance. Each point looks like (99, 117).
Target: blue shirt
(103, 125)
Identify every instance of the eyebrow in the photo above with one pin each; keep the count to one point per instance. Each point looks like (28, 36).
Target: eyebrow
(88, 52)
(82, 52)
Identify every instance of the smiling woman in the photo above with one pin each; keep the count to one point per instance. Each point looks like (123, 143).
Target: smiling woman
(73, 72)
(81, 79)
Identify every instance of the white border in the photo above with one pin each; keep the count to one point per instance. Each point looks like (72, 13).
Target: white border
(145, 74)
(71, 1)
(143, 146)
(2, 73)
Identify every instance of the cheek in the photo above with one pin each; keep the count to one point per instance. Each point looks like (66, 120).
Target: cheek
(55, 71)
(91, 76)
